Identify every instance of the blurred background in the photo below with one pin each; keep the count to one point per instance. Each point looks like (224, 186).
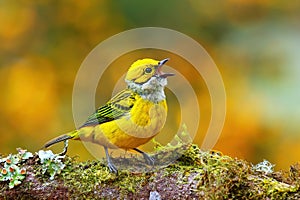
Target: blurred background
(255, 44)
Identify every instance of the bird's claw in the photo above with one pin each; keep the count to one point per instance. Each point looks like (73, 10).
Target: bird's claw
(112, 168)
(149, 160)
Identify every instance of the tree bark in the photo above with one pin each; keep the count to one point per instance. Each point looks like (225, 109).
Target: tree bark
(195, 174)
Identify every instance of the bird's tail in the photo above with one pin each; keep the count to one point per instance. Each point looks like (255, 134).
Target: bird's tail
(61, 138)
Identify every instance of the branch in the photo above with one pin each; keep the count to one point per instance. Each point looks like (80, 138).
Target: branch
(195, 174)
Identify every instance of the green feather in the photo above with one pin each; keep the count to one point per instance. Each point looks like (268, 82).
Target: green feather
(117, 107)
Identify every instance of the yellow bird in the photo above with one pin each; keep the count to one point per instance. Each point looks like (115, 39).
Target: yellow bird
(132, 117)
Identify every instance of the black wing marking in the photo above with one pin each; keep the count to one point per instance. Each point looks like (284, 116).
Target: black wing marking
(117, 107)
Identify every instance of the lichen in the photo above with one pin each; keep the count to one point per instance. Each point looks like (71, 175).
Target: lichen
(51, 163)
(13, 169)
(264, 166)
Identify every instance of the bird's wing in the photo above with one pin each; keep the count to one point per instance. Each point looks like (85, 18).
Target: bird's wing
(117, 107)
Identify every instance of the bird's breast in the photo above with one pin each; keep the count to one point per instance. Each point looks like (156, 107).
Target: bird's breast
(149, 115)
(145, 119)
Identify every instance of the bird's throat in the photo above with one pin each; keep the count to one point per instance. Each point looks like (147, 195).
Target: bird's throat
(149, 91)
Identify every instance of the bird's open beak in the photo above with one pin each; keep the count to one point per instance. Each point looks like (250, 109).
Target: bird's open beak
(161, 73)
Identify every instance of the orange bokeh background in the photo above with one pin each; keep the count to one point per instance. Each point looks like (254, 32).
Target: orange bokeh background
(255, 44)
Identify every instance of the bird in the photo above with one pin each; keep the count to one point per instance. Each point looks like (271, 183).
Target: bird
(129, 119)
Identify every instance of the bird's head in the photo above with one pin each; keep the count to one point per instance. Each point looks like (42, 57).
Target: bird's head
(147, 71)
(147, 79)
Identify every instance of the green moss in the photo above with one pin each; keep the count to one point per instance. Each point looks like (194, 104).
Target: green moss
(194, 174)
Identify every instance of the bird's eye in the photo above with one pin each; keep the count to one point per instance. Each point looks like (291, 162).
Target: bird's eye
(148, 70)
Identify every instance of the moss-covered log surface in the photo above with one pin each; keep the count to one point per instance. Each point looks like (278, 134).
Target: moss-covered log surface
(194, 175)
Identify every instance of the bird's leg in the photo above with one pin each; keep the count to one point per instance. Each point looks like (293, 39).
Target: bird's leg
(66, 144)
(149, 160)
(110, 165)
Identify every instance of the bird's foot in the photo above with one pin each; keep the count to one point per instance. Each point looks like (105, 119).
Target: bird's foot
(112, 168)
(149, 160)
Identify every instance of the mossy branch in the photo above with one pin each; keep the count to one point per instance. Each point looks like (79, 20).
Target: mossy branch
(194, 175)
